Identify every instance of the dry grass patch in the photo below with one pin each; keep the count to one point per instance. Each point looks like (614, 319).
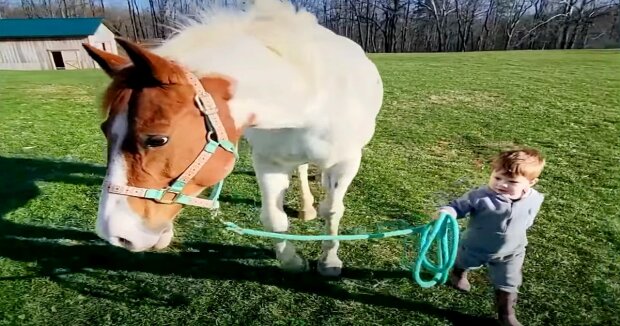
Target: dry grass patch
(464, 97)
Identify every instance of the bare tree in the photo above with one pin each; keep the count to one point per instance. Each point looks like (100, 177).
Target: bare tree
(439, 9)
(514, 15)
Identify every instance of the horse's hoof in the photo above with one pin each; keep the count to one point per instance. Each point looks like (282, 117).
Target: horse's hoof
(331, 268)
(295, 265)
(308, 215)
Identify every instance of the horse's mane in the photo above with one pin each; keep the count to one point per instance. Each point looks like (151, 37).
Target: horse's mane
(279, 26)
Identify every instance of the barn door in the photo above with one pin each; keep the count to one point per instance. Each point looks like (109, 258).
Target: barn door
(56, 56)
(71, 59)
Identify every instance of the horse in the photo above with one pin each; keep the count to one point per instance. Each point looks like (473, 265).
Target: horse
(296, 91)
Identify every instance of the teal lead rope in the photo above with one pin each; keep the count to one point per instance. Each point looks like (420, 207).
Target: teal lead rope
(444, 232)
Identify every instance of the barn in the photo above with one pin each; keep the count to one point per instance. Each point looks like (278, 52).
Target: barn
(52, 43)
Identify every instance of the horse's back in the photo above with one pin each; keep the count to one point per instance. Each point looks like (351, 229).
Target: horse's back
(352, 91)
(329, 64)
(345, 94)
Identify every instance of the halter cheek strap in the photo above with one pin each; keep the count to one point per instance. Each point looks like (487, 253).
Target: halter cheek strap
(216, 137)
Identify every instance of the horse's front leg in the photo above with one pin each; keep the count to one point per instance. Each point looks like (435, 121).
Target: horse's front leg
(273, 180)
(307, 212)
(336, 180)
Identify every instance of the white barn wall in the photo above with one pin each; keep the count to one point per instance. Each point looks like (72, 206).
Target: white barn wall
(103, 35)
(34, 54)
(27, 54)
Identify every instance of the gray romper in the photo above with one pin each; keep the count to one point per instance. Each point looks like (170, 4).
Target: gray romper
(496, 233)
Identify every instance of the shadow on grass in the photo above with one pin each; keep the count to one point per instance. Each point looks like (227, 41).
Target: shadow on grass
(18, 186)
(75, 263)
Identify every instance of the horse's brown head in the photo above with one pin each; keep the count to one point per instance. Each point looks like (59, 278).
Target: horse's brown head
(155, 131)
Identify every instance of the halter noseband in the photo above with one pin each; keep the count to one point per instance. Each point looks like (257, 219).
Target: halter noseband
(216, 137)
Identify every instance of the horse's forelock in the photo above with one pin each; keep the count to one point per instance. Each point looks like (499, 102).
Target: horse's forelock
(118, 92)
(116, 98)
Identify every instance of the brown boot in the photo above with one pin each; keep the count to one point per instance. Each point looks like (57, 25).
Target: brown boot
(458, 279)
(505, 302)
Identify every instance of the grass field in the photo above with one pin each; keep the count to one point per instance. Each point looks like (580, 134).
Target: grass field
(444, 116)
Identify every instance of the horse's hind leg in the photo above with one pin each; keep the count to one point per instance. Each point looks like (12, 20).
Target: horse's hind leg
(307, 213)
(336, 180)
(273, 180)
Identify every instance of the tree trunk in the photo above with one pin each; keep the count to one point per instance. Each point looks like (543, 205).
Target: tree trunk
(482, 39)
(153, 19)
(64, 11)
(132, 18)
(461, 28)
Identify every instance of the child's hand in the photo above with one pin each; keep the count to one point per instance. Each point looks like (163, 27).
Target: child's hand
(439, 213)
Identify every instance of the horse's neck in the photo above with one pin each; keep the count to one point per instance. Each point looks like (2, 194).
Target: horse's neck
(265, 87)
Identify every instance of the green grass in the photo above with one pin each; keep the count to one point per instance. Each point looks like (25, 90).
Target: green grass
(444, 116)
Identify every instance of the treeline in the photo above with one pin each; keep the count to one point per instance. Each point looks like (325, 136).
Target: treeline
(382, 25)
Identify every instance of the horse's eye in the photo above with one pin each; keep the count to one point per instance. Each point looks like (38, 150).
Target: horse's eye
(155, 141)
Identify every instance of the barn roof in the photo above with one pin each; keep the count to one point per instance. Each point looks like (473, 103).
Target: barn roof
(48, 27)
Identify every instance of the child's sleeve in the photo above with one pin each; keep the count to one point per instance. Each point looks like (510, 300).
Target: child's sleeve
(461, 206)
(535, 209)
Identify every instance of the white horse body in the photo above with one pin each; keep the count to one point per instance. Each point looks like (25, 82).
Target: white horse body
(313, 95)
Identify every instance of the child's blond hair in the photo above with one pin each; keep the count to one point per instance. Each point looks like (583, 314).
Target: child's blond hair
(526, 162)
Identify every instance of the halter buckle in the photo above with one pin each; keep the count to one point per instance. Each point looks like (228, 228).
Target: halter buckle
(163, 200)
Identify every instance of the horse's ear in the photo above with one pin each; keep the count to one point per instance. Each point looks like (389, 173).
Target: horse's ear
(149, 63)
(109, 62)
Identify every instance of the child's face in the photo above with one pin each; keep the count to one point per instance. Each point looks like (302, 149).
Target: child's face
(512, 187)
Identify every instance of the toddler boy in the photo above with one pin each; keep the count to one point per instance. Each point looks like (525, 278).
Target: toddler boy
(500, 214)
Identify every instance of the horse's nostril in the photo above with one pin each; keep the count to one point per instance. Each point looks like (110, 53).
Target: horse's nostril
(124, 242)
